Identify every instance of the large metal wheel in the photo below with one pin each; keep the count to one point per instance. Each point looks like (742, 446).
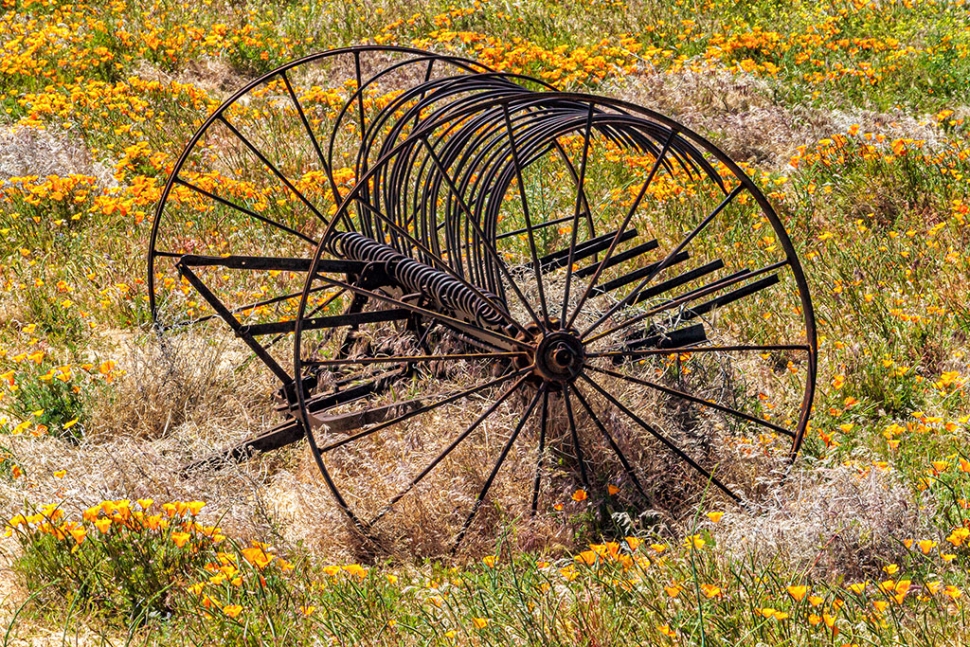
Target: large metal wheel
(486, 300)
(592, 301)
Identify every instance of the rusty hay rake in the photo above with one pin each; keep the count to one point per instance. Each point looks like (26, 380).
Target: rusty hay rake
(476, 289)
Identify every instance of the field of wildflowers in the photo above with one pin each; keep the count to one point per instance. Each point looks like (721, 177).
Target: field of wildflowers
(852, 115)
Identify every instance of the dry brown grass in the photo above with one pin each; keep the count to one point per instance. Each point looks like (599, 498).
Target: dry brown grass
(34, 151)
(742, 117)
(201, 379)
(178, 402)
(214, 76)
(829, 522)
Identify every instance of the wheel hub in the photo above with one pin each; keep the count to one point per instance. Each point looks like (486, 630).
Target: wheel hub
(559, 357)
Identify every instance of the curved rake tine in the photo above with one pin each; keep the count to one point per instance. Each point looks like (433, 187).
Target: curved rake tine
(470, 218)
(438, 262)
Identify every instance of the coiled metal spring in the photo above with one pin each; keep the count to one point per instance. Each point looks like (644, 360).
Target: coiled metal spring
(413, 276)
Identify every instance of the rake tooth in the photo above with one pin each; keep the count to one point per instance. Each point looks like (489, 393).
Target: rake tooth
(618, 258)
(378, 384)
(677, 281)
(696, 334)
(593, 246)
(672, 339)
(636, 275)
(730, 297)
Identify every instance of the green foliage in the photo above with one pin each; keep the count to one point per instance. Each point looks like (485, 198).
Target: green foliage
(121, 560)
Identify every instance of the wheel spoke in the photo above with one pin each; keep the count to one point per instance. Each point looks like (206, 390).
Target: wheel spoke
(543, 420)
(244, 210)
(626, 279)
(677, 281)
(699, 401)
(659, 436)
(309, 132)
(360, 94)
(235, 324)
(591, 247)
(253, 306)
(430, 407)
(666, 261)
(536, 266)
(323, 306)
(574, 435)
(619, 232)
(441, 456)
(543, 225)
(498, 465)
(633, 354)
(616, 448)
(262, 158)
(580, 186)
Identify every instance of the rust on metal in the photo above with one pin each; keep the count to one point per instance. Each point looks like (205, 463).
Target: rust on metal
(561, 253)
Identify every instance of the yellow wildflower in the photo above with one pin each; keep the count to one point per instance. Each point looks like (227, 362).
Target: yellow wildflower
(257, 557)
(710, 591)
(232, 610)
(797, 592)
